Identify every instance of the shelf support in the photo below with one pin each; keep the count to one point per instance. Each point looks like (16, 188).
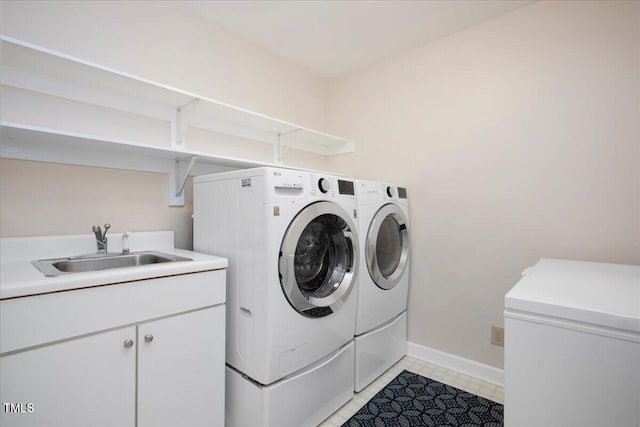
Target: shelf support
(280, 149)
(278, 153)
(181, 124)
(177, 181)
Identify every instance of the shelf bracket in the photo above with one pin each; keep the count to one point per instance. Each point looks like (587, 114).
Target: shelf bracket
(280, 149)
(177, 181)
(179, 137)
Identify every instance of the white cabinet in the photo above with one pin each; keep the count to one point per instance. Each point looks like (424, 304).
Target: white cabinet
(87, 381)
(143, 353)
(181, 370)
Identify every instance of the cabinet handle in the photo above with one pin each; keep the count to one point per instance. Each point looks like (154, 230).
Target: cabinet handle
(128, 344)
(148, 338)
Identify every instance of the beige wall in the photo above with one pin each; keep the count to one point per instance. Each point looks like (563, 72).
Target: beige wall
(46, 198)
(517, 139)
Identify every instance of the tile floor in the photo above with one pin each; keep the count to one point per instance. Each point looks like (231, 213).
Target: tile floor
(426, 369)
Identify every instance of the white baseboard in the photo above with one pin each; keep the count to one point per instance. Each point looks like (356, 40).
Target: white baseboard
(450, 361)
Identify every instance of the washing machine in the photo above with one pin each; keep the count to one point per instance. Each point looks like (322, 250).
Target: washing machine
(291, 240)
(381, 322)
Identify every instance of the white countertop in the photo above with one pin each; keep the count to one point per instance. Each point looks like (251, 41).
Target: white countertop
(590, 292)
(18, 277)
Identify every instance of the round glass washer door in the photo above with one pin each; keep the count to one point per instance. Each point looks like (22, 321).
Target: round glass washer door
(387, 246)
(317, 262)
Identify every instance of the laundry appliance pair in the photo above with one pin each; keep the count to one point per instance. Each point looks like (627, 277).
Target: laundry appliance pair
(299, 246)
(291, 240)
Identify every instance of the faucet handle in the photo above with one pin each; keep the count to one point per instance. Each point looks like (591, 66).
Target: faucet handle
(106, 228)
(125, 242)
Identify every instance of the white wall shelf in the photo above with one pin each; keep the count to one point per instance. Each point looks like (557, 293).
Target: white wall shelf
(51, 145)
(59, 108)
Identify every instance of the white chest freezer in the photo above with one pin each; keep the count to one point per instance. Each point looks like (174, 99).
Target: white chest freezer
(572, 345)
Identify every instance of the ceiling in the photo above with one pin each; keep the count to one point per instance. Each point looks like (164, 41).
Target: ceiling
(334, 37)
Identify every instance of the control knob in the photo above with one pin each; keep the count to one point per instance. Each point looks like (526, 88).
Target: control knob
(324, 185)
(390, 191)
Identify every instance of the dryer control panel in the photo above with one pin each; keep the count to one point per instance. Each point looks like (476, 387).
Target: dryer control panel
(370, 192)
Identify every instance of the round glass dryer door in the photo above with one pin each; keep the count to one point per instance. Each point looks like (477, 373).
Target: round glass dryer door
(318, 259)
(387, 247)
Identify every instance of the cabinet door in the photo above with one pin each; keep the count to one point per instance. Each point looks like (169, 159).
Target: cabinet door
(87, 381)
(181, 370)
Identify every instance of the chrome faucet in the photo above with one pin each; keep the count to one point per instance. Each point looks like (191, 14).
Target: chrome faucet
(101, 239)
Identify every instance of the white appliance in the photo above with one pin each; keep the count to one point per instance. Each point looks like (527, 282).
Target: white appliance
(381, 323)
(572, 345)
(290, 238)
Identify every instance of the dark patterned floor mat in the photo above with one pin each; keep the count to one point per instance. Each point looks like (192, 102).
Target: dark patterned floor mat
(411, 400)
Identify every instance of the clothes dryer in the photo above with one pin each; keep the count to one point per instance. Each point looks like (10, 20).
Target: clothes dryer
(381, 322)
(291, 240)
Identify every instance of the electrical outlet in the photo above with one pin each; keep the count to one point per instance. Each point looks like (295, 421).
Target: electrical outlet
(497, 336)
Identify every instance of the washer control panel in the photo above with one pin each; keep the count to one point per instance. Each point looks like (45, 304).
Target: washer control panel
(329, 186)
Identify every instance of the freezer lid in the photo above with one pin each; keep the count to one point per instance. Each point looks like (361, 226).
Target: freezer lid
(590, 292)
